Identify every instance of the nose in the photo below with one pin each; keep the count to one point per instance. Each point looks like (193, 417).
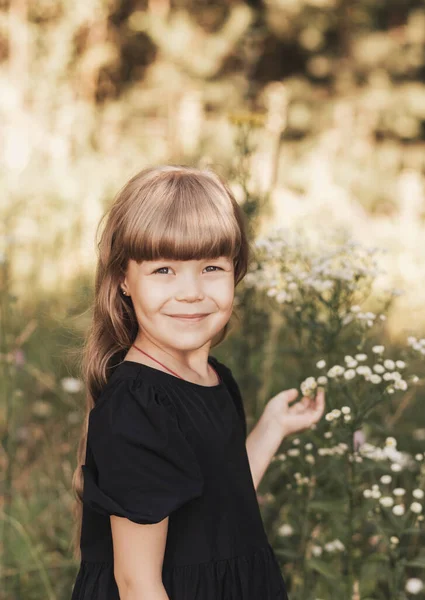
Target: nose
(189, 288)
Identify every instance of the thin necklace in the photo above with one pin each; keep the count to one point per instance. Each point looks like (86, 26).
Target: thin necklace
(165, 366)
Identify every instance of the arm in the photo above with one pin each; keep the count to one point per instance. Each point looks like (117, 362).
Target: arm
(138, 557)
(261, 445)
(279, 419)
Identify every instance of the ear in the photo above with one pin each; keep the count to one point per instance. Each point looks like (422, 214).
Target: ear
(123, 287)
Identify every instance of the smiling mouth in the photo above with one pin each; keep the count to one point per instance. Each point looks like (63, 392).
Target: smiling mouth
(190, 318)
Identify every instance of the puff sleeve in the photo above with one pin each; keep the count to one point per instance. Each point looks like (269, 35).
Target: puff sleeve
(233, 388)
(139, 464)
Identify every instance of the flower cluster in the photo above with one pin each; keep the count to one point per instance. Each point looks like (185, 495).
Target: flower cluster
(415, 344)
(394, 498)
(399, 460)
(365, 318)
(384, 371)
(317, 271)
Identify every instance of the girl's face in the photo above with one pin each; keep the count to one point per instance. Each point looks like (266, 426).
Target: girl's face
(163, 291)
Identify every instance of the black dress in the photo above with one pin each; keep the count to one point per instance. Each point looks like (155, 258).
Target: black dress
(163, 446)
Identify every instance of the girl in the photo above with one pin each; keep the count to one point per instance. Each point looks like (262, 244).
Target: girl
(167, 476)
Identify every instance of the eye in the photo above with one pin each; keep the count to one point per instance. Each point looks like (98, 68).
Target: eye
(160, 269)
(213, 266)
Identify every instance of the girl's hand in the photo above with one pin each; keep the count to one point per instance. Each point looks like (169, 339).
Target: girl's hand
(298, 416)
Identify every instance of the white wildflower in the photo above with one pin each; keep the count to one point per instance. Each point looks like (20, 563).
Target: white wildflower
(349, 374)
(308, 386)
(285, 530)
(391, 441)
(416, 507)
(293, 452)
(417, 493)
(386, 501)
(378, 368)
(375, 378)
(414, 586)
(385, 479)
(389, 364)
(71, 385)
(322, 380)
(321, 364)
(400, 385)
(398, 510)
(361, 357)
(400, 364)
(316, 550)
(351, 364)
(335, 371)
(378, 349)
(334, 546)
(364, 370)
(345, 410)
(399, 491)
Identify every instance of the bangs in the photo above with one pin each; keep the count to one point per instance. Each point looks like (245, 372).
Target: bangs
(180, 216)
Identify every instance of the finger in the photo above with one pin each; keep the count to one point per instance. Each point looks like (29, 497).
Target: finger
(319, 403)
(290, 395)
(298, 408)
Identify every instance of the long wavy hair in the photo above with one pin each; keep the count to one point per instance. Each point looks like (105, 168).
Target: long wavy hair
(167, 211)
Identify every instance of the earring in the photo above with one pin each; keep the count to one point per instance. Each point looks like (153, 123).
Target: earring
(124, 292)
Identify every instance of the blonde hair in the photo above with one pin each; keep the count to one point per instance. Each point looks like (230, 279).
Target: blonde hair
(167, 211)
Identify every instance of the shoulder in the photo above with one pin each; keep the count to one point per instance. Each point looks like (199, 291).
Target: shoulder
(129, 403)
(127, 383)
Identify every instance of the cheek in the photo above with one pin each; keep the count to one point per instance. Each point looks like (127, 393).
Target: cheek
(150, 296)
(223, 292)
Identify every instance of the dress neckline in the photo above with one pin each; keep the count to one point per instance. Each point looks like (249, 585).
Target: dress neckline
(162, 376)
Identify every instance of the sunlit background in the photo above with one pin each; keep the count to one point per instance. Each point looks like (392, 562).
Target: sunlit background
(314, 110)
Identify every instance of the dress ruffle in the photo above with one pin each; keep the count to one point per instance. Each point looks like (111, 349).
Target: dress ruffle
(248, 577)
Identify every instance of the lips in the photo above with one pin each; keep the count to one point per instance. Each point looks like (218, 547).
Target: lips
(194, 316)
(189, 318)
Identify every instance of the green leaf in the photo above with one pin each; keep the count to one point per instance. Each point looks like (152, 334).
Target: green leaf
(327, 506)
(323, 568)
(419, 561)
(378, 557)
(287, 553)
